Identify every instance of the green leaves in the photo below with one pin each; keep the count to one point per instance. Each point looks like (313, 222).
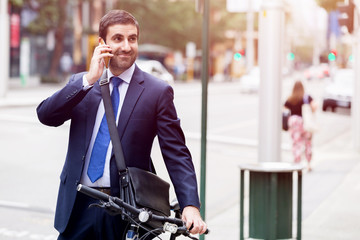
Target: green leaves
(169, 23)
(328, 5)
(48, 16)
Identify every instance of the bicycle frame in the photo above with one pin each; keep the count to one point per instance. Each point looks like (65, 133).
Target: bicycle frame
(115, 205)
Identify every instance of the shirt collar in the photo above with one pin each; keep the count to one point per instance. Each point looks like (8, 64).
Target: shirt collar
(126, 75)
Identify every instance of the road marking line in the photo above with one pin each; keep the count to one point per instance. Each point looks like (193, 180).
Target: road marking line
(22, 119)
(231, 140)
(25, 206)
(25, 234)
(238, 125)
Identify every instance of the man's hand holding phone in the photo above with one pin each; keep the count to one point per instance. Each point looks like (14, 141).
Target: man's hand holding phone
(99, 60)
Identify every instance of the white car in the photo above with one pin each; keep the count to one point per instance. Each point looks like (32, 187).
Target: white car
(156, 69)
(340, 91)
(250, 82)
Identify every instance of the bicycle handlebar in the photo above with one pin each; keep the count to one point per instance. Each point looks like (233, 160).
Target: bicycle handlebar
(105, 197)
(143, 214)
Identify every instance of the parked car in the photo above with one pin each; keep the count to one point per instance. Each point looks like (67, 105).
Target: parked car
(340, 91)
(325, 69)
(155, 68)
(317, 72)
(250, 82)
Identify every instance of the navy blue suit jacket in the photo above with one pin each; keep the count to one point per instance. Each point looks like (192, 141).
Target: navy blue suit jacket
(148, 110)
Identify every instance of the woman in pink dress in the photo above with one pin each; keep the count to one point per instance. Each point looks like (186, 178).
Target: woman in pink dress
(301, 139)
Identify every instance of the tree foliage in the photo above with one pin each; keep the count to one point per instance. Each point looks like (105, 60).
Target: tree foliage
(166, 22)
(51, 15)
(169, 23)
(48, 16)
(174, 23)
(328, 5)
(221, 21)
(16, 3)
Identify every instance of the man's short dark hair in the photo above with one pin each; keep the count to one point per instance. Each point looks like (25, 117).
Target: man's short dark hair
(116, 17)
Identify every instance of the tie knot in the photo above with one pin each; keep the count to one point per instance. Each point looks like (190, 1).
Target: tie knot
(116, 81)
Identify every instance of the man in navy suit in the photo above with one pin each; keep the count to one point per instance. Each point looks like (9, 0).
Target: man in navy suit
(146, 110)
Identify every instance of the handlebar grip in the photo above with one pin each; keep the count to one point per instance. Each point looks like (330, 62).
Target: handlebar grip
(92, 192)
(105, 197)
(206, 232)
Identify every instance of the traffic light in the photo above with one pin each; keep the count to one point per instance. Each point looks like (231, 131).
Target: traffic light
(332, 55)
(346, 17)
(351, 58)
(239, 55)
(290, 56)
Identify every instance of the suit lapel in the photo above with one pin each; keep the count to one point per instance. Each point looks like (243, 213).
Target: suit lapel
(133, 93)
(93, 100)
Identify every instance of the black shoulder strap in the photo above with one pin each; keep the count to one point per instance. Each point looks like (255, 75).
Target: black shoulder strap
(110, 118)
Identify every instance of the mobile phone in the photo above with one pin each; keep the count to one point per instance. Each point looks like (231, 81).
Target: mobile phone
(106, 59)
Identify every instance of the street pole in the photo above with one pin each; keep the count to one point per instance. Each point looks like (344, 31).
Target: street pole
(204, 79)
(355, 102)
(271, 29)
(250, 37)
(4, 47)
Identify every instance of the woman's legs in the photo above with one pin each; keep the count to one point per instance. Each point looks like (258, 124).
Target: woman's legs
(296, 133)
(300, 138)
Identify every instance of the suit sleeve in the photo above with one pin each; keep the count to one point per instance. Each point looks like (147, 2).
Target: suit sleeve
(176, 155)
(57, 109)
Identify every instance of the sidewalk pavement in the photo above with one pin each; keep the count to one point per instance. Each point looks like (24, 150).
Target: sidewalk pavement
(29, 95)
(330, 201)
(331, 192)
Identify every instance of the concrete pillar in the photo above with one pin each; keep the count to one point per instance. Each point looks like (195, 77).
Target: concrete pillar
(271, 30)
(250, 49)
(4, 48)
(355, 104)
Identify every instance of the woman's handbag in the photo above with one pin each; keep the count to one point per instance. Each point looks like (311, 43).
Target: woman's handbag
(139, 188)
(285, 120)
(308, 116)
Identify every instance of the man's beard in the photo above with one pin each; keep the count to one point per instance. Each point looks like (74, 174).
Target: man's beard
(119, 65)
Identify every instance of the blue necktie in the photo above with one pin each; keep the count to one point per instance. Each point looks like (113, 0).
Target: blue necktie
(102, 140)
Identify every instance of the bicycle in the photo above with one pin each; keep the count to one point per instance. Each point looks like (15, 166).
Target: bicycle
(137, 217)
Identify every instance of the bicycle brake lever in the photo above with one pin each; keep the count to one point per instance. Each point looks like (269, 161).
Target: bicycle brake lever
(187, 234)
(110, 207)
(102, 205)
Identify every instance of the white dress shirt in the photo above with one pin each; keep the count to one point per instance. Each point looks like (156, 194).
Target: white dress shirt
(104, 181)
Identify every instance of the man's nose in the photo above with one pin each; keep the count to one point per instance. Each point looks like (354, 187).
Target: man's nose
(125, 46)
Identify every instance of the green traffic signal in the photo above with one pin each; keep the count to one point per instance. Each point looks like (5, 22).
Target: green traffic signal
(291, 56)
(237, 56)
(332, 57)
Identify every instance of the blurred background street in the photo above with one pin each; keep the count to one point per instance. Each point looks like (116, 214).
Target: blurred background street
(35, 153)
(315, 41)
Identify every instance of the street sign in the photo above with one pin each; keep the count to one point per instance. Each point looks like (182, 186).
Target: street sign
(190, 50)
(346, 17)
(243, 5)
